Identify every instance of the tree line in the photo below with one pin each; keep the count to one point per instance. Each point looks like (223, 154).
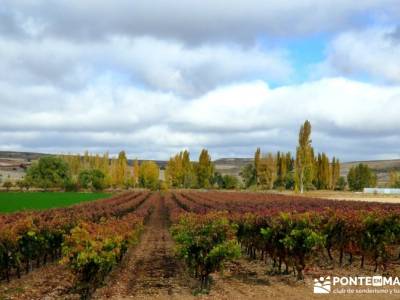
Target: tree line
(94, 172)
(304, 170)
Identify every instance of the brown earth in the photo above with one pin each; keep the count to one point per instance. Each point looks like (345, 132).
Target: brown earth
(151, 271)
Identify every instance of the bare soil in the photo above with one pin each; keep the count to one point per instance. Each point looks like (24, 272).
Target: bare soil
(52, 281)
(151, 270)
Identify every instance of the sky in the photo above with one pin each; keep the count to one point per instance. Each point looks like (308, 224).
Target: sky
(156, 77)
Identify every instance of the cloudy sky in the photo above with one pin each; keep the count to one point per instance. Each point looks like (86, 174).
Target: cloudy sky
(156, 77)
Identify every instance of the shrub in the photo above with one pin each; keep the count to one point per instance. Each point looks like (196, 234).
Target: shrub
(206, 242)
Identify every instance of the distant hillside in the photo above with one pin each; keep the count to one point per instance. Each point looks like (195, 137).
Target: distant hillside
(231, 166)
(21, 155)
(382, 168)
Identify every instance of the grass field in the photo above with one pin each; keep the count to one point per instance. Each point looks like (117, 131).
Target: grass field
(12, 202)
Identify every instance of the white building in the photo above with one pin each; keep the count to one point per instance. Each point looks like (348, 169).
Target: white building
(387, 191)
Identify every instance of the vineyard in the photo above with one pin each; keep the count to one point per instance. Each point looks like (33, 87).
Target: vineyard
(186, 242)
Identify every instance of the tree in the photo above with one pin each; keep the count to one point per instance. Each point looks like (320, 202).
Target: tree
(285, 169)
(230, 182)
(93, 179)
(174, 171)
(8, 185)
(341, 184)
(218, 180)
(257, 158)
(335, 173)
(149, 175)
(105, 168)
(361, 176)
(323, 172)
(49, 171)
(248, 175)
(189, 177)
(394, 180)
(136, 172)
(121, 169)
(267, 171)
(205, 169)
(304, 157)
(281, 169)
(21, 184)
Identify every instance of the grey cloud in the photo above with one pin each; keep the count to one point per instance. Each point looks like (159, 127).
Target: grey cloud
(194, 21)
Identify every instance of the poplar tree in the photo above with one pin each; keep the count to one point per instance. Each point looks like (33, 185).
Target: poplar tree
(149, 175)
(282, 169)
(322, 172)
(257, 158)
(205, 169)
(179, 170)
(304, 157)
(136, 173)
(121, 168)
(267, 171)
(189, 178)
(335, 172)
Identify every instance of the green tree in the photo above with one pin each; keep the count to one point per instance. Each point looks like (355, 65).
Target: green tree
(335, 173)
(205, 170)
(341, 184)
(49, 171)
(189, 177)
(361, 176)
(257, 158)
(248, 175)
(281, 171)
(323, 172)
(304, 157)
(230, 182)
(93, 179)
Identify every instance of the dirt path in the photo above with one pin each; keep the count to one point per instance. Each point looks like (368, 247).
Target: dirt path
(150, 269)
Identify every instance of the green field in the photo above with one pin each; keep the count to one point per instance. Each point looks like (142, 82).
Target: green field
(12, 202)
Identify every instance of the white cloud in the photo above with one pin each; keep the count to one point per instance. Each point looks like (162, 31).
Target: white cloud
(373, 52)
(160, 65)
(349, 119)
(155, 77)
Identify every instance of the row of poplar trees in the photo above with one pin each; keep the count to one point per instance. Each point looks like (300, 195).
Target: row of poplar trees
(182, 173)
(304, 171)
(116, 171)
